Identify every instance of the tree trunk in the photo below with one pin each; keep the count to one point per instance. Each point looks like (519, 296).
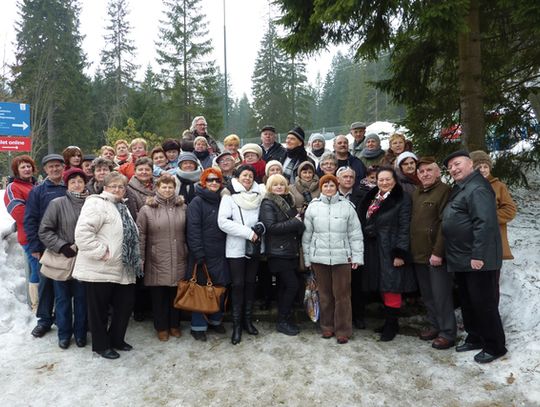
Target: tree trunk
(470, 82)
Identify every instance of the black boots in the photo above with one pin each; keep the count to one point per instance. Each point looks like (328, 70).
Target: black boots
(248, 322)
(286, 327)
(237, 323)
(391, 326)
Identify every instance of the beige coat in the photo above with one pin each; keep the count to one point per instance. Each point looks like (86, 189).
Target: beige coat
(506, 211)
(162, 228)
(99, 229)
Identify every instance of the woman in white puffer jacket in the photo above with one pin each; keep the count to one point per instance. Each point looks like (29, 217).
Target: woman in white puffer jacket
(332, 244)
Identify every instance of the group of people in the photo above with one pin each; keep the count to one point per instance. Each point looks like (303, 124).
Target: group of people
(363, 220)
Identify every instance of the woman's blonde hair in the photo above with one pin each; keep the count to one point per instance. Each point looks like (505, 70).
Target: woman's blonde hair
(277, 179)
(137, 140)
(231, 139)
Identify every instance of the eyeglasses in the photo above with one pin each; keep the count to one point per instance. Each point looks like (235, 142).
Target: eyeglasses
(211, 180)
(120, 187)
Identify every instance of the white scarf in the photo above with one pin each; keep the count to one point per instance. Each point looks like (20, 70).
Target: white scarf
(246, 199)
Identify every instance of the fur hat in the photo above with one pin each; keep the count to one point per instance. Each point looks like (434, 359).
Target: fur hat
(326, 178)
(404, 155)
(271, 164)
(252, 148)
(481, 157)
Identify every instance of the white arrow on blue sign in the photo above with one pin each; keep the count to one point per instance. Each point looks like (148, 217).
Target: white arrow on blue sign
(14, 119)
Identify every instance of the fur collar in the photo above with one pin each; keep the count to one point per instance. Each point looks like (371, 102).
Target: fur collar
(396, 195)
(155, 201)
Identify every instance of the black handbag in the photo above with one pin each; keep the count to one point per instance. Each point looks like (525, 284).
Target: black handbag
(253, 249)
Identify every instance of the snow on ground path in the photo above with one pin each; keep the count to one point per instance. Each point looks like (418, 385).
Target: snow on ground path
(273, 369)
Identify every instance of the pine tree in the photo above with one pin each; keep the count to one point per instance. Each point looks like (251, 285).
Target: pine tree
(48, 74)
(116, 60)
(242, 118)
(189, 77)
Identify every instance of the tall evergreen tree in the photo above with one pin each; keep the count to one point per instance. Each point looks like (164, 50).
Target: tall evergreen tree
(242, 118)
(190, 78)
(117, 60)
(48, 73)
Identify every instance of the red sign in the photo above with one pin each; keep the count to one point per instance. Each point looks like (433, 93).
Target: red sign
(8, 143)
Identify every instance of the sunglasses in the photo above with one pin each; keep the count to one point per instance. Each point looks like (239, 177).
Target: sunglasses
(210, 180)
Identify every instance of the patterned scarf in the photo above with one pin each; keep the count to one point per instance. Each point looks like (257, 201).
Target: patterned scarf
(376, 204)
(131, 256)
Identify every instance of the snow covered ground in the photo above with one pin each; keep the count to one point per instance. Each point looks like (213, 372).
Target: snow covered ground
(273, 369)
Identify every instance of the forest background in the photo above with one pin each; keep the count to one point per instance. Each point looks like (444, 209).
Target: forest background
(404, 63)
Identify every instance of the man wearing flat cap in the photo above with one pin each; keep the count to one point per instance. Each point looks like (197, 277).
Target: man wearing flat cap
(427, 250)
(272, 150)
(38, 201)
(474, 254)
(358, 131)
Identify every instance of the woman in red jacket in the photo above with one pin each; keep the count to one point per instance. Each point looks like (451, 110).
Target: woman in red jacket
(17, 192)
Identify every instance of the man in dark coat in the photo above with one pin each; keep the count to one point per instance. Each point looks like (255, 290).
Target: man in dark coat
(272, 150)
(346, 159)
(474, 253)
(38, 201)
(427, 249)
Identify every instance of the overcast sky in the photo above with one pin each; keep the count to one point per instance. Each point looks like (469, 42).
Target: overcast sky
(246, 22)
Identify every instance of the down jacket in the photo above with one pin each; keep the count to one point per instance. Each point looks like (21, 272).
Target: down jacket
(283, 229)
(235, 221)
(15, 200)
(99, 229)
(58, 224)
(333, 234)
(205, 239)
(162, 236)
(386, 237)
(470, 226)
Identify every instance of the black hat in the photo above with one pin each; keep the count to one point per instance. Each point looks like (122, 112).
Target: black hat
(459, 153)
(269, 127)
(298, 132)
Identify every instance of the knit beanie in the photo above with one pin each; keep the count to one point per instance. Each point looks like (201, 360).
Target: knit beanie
(404, 155)
(252, 148)
(316, 136)
(373, 136)
(73, 172)
(298, 132)
(272, 164)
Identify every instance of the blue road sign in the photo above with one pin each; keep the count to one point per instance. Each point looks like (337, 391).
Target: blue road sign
(14, 119)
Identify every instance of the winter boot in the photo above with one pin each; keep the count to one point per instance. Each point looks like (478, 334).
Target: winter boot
(248, 322)
(33, 293)
(237, 323)
(285, 327)
(391, 326)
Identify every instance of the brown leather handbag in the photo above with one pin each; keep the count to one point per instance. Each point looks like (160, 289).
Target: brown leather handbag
(191, 296)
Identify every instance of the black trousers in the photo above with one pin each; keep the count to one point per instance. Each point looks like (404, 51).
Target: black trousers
(478, 295)
(243, 276)
(101, 296)
(288, 282)
(358, 294)
(165, 315)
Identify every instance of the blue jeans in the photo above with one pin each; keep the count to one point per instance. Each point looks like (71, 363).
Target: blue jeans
(33, 264)
(199, 322)
(71, 320)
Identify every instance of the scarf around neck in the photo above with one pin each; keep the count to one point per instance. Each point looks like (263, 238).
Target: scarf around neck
(246, 199)
(131, 255)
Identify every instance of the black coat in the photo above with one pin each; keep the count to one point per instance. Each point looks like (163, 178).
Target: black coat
(283, 229)
(386, 236)
(276, 152)
(204, 238)
(470, 227)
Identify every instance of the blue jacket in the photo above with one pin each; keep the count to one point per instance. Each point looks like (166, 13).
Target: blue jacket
(38, 200)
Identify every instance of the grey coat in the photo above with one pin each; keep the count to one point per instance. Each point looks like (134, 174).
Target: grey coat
(136, 194)
(57, 227)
